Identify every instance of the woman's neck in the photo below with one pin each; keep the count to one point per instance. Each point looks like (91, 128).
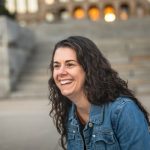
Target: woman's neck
(83, 111)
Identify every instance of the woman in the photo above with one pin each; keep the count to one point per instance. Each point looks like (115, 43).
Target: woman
(92, 107)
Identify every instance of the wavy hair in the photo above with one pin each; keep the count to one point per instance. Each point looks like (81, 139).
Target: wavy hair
(105, 82)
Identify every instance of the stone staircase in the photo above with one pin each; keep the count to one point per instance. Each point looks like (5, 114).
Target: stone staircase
(33, 82)
(125, 44)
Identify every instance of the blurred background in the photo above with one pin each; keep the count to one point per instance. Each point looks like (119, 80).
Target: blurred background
(28, 31)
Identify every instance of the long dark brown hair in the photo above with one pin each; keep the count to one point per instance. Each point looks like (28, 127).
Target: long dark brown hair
(105, 82)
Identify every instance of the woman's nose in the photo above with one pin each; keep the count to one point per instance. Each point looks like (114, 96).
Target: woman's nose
(62, 70)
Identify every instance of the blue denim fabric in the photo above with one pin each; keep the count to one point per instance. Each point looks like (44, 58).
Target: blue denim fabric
(119, 125)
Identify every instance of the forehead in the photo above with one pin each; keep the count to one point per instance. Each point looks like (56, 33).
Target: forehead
(64, 53)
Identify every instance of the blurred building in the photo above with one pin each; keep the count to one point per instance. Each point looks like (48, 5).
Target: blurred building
(53, 10)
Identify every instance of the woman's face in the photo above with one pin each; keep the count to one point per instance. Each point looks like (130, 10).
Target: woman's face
(68, 74)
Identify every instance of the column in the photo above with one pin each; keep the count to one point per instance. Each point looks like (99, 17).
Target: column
(4, 59)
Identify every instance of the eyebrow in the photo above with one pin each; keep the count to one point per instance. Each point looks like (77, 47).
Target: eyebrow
(65, 61)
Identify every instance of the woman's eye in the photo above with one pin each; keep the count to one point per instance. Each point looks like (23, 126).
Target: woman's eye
(56, 66)
(70, 65)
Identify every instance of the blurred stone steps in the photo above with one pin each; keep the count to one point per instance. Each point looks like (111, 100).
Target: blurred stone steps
(125, 44)
(35, 75)
(37, 83)
(33, 85)
(129, 66)
(137, 83)
(143, 89)
(94, 30)
(36, 71)
(29, 95)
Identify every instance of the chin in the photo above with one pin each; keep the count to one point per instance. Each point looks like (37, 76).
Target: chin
(66, 93)
(70, 96)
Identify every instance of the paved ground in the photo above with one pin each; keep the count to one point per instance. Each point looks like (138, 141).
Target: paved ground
(26, 125)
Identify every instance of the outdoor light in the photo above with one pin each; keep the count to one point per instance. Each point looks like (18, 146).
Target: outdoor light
(94, 13)
(79, 13)
(110, 17)
(49, 17)
(109, 14)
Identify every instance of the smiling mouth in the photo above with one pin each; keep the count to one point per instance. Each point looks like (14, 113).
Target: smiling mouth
(64, 82)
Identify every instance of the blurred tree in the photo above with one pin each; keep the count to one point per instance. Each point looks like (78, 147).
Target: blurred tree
(4, 11)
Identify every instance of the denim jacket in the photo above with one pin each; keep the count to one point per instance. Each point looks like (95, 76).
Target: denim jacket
(118, 125)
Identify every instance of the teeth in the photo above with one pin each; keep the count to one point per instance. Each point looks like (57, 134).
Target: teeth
(65, 82)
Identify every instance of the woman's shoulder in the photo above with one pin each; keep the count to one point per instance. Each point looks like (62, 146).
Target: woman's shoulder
(127, 119)
(123, 101)
(124, 108)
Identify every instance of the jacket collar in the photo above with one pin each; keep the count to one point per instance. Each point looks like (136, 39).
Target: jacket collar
(72, 115)
(96, 114)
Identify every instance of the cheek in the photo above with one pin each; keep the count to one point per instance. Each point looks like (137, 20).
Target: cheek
(82, 78)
